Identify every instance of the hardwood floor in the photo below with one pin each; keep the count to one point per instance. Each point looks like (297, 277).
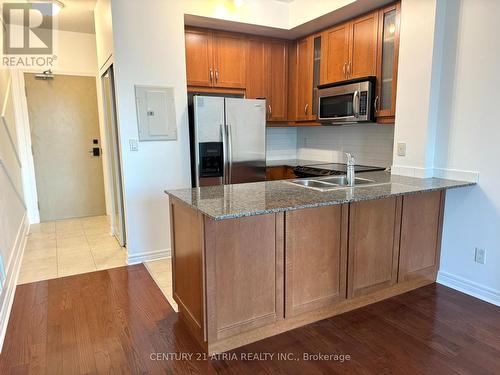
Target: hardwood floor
(115, 321)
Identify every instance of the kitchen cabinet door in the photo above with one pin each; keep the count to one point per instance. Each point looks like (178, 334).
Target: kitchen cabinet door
(230, 60)
(244, 274)
(257, 70)
(304, 79)
(335, 54)
(315, 258)
(374, 228)
(199, 58)
(387, 63)
(363, 49)
(421, 226)
(277, 80)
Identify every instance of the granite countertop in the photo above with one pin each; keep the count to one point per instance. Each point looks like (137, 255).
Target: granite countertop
(257, 198)
(293, 162)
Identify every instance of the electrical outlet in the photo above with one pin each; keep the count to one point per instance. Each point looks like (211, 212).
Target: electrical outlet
(401, 149)
(480, 255)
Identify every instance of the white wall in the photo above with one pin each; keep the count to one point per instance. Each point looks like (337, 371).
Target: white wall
(13, 223)
(149, 50)
(468, 140)
(417, 52)
(103, 31)
(370, 144)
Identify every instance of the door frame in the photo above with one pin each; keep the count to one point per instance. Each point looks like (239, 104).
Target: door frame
(25, 148)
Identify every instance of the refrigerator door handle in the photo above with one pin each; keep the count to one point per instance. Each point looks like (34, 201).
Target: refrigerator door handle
(224, 153)
(229, 153)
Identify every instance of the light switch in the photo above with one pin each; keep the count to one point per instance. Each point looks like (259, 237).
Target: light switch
(134, 145)
(401, 149)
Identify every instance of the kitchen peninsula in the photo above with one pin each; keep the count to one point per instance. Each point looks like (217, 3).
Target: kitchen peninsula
(254, 260)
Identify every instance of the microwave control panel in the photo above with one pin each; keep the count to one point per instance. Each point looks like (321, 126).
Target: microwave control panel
(363, 96)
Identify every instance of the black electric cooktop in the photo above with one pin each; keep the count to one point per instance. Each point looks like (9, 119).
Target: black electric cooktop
(330, 169)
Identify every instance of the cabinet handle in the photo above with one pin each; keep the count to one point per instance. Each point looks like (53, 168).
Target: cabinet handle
(375, 103)
(305, 108)
(343, 70)
(270, 110)
(216, 75)
(211, 75)
(349, 68)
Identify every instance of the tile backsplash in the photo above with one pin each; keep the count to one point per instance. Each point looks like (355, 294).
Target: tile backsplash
(281, 143)
(370, 144)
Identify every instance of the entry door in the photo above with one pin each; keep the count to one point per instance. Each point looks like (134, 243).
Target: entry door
(64, 130)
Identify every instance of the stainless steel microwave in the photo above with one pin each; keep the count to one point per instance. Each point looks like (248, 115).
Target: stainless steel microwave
(346, 102)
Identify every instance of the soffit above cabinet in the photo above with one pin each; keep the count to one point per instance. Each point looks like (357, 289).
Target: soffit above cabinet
(304, 17)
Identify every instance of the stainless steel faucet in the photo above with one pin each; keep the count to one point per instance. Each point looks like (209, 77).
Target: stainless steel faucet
(350, 169)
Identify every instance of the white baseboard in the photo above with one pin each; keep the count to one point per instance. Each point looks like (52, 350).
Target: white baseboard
(469, 287)
(147, 256)
(12, 274)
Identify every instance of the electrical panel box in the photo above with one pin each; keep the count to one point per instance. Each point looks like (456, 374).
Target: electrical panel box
(156, 113)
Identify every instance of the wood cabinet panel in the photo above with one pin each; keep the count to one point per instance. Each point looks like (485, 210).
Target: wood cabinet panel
(230, 60)
(278, 80)
(374, 228)
(244, 262)
(199, 58)
(316, 258)
(257, 72)
(187, 259)
(335, 54)
(363, 51)
(304, 77)
(421, 226)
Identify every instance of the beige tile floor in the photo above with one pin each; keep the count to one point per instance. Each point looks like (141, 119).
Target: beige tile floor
(69, 247)
(161, 272)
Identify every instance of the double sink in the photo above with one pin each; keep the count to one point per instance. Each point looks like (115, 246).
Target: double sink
(331, 183)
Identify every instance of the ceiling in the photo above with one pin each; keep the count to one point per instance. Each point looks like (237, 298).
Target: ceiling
(77, 15)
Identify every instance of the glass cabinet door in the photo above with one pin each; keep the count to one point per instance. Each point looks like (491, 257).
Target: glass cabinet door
(385, 101)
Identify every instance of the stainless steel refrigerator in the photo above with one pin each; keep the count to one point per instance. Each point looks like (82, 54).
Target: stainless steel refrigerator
(228, 140)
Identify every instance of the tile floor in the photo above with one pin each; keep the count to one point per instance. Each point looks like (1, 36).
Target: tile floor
(161, 272)
(69, 247)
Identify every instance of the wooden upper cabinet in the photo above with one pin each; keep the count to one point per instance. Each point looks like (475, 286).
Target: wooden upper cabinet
(349, 50)
(199, 59)
(363, 46)
(230, 60)
(304, 79)
(374, 228)
(277, 80)
(215, 59)
(387, 63)
(257, 74)
(335, 54)
(421, 226)
(267, 75)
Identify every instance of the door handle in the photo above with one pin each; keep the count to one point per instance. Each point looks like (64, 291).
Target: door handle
(355, 104)
(224, 153)
(270, 110)
(375, 103)
(230, 153)
(305, 108)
